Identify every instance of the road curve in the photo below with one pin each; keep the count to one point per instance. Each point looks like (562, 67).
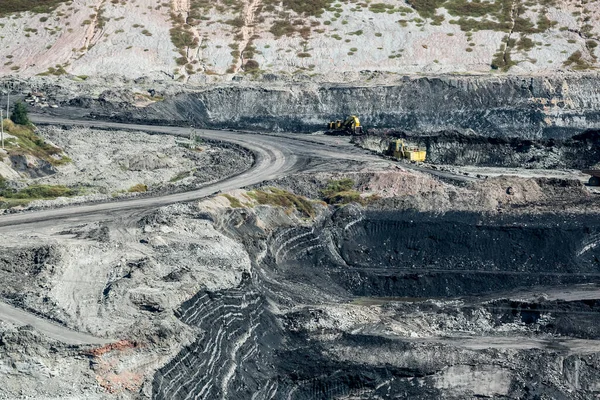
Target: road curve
(275, 156)
(271, 161)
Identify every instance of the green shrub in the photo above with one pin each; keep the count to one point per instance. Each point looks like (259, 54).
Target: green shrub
(138, 188)
(20, 115)
(36, 6)
(339, 185)
(525, 44)
(233, 201)
(426, 8)
(281, 28)
(576, 62)
(282, 198)
(251, 65)
(307, 8)
(349, 196)
(34, 192)
(380, 7)
(338, 192)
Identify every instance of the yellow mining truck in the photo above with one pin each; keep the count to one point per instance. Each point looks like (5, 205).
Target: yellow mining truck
(351, 126)
(399, 150)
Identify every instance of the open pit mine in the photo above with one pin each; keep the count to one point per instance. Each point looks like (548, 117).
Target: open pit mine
(290, 200)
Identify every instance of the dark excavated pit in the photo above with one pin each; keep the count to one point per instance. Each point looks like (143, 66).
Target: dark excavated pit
(255, 342)
(457, 254)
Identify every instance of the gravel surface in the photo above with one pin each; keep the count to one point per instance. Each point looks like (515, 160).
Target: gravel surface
(110, 163)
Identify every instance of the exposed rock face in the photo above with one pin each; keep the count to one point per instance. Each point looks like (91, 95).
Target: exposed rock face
(307, 341)
(528, 108)
(30, 166)
(579, 151)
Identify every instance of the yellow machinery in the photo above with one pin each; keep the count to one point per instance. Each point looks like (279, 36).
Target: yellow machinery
(351, 125)
(399, 150)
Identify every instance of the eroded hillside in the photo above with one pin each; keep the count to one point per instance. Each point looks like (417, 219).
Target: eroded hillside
(200, 40)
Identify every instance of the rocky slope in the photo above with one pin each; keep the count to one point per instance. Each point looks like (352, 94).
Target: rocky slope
(430, 291)
(199, 41)
(338, 308)
(527, 108)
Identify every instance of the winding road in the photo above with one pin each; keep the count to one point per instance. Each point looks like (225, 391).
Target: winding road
(275, 156)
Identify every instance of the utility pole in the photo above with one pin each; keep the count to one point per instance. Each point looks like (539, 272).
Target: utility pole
(2, 129)
(192, 137)
(8, 103)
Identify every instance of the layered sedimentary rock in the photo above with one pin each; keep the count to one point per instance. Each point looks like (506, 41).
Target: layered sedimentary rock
(524, 107)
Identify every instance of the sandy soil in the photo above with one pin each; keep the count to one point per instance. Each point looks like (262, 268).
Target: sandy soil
(132, 39)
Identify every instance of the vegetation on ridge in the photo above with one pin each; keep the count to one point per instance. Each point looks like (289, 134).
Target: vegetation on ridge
(24, 141)
(37, 6)
(13, 198)
(282, 198)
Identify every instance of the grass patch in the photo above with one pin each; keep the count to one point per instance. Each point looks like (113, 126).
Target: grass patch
(285, 199)
(345, 197)
(180, 176)
(282, 28)
(36, 6)
(35, 192)
(138, 188)
(10, 198)
(339, 185)
(58, 70)
(426, 8)
(26, 142)
(233, 201)
(341, 191)
(306, 8)
(576, 62)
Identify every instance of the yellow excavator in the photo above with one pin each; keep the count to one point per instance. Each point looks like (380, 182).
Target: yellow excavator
(350, 126)
(399, 150)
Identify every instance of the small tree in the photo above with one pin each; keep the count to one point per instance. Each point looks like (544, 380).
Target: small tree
(19, 114)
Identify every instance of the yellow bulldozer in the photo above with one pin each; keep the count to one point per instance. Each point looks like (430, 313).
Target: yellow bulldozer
(349, 126)
(399, 150)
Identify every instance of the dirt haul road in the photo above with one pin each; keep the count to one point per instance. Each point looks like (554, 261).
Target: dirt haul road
(275, 156)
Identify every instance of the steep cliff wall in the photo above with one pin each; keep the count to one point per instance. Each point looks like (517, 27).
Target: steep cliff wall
(525, 107)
